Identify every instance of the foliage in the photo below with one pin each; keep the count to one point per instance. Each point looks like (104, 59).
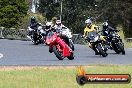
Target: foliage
(119, 12)
(48, 8)
(12, 12)
(75, 12)
(26, 19)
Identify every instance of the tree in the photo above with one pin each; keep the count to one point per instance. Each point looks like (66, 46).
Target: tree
(118, 12)
(75, 12)
(48, 8)
(12, 12)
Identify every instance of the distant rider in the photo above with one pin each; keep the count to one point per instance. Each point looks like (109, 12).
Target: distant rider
(33, 25)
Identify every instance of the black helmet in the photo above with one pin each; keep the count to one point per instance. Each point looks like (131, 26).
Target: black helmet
(105, 25)
(33, 19)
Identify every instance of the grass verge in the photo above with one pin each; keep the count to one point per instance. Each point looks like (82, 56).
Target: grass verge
(57, 77)
(127, 44)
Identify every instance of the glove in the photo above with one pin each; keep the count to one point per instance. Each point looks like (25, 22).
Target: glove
(85, 37)
(82, 36)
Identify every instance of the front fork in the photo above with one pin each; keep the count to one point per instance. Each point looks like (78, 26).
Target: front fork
(101, 47)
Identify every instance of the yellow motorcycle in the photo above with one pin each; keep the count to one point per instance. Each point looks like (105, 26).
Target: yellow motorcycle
(97, 43)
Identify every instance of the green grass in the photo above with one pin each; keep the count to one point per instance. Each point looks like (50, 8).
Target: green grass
(127, 44)
(39, 77)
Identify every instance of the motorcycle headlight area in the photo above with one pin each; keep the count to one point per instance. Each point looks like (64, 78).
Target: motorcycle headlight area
(113, 35)
(51, 41)
(96, 38)
(54, 39)
(40, 27)
(48, 43)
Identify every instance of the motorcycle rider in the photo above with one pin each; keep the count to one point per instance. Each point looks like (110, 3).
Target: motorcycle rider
(53, 21)
(48, 27)
(35, 28)
(58, 27)
(90, 28)
(107, 29)
(33, 25)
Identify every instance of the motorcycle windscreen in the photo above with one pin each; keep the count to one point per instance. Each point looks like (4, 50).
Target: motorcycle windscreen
(92, 35)
(50, 35)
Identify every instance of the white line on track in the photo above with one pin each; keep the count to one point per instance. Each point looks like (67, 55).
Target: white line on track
(1, 55)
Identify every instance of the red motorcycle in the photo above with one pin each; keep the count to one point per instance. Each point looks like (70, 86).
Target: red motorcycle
(58, 46)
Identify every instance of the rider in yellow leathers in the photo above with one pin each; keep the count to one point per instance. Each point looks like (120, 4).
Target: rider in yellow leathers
(90, 28)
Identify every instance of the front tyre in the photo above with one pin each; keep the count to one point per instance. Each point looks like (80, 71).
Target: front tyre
(71, 46)
(101, 51)
(115, 48)
(58, 53)
(35, 39)
(71, 57)
(121, 47)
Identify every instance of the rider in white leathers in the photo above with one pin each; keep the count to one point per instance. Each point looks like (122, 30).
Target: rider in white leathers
(63, 29)
(64, 32)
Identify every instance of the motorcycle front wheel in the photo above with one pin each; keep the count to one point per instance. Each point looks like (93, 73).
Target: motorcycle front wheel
(71, 46)
(58, 53)
(71, 57)
(115, 48)
(101, 51)
(35, 39)
(121, 47)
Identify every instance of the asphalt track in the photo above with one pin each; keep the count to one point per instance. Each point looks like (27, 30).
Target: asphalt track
(24, 53)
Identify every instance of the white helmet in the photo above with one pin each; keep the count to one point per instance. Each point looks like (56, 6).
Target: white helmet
(58, 22)
(40, 27)
(88, 21)
(48, 23)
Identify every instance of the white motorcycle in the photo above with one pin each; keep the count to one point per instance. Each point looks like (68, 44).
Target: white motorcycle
(37, 36)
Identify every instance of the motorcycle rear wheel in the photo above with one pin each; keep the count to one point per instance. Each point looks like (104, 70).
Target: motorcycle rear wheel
(58, 54)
